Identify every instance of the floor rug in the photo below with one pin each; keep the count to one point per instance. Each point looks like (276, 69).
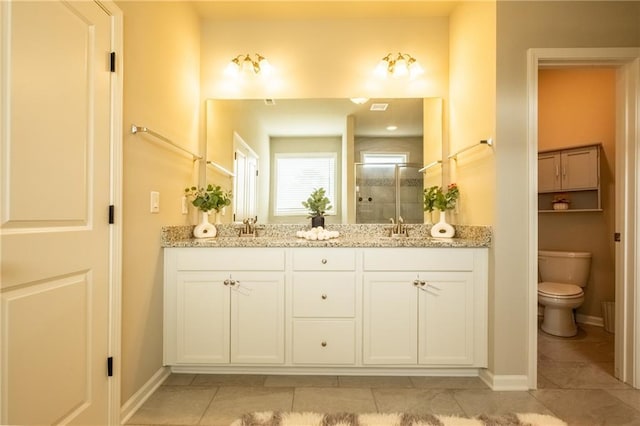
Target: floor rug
(276, 418)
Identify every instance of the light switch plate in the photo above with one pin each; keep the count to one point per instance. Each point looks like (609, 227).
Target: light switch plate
(154, 202)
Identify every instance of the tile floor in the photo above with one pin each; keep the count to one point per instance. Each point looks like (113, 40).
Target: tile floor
(574, 384)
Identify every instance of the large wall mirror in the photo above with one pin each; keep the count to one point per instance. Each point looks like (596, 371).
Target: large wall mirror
(368, 156)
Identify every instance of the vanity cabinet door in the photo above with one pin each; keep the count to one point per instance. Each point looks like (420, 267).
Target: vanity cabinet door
(201, 319)
(390, 322)
(446, 318)
(425, 324)
(549, 172)
(257, 318)
(226, 317)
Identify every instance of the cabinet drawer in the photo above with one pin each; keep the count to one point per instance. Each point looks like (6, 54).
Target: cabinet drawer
(324, 294)
(325, 259)
(415, 259)
(324, 342)
(229, 259)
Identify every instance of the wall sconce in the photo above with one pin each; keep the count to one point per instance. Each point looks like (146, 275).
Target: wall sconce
(399, 66)
(245, 64)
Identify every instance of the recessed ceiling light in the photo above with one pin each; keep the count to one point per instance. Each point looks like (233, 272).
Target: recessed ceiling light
(359, 101)
(379, 107)
(392, 128)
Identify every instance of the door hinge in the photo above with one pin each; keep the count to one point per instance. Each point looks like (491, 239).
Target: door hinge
(111, 214)
(256, 173)
(616, 237)
(110, 366)
(112, 62)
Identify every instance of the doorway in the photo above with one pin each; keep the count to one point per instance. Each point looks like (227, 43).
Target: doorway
(627, 65)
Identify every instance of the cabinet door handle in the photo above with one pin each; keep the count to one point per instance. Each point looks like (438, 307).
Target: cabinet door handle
(324, 297)
(226, 282)
(324, 261)
(234, 282)
(557, 171)
(323, 344)
(416, 283)
(422, 283)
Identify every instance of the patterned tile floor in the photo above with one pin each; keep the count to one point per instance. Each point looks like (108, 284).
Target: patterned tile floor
(575, 383)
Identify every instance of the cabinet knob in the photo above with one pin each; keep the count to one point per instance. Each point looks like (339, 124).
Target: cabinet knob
(323, 344)
(416, 283)
(226, 282)
(324, 297)
(422, 283)
(324, 261)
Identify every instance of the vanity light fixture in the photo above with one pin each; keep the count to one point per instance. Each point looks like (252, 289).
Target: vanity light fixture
(398, 66)
(246, 64)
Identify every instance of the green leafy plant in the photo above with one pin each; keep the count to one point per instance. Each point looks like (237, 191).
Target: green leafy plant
(436, 198)
(209, 198)
(317, 203)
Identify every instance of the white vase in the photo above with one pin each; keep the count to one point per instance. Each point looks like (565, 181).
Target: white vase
(204, 229)
(442, 229)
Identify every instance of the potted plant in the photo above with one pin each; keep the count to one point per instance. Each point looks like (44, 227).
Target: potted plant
(213, 197)
(561, 202)
(436, 198)
(317, 204)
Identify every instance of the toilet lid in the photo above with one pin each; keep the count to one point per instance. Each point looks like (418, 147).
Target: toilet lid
(559, 289)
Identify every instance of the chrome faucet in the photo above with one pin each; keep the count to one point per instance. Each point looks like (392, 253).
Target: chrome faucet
(249, 228)
(398, 228)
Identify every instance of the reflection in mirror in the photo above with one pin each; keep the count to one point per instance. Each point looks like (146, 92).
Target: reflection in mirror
(315, 131)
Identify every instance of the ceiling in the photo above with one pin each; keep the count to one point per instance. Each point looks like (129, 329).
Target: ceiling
(313, 9)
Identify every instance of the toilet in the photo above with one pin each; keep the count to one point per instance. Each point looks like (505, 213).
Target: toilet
(563, 276)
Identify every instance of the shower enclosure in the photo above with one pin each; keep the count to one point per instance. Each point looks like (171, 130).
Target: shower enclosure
(389, 190)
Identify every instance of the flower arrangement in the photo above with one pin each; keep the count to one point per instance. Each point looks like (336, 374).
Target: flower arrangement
(209, 198)
(436, 198)
(317, 203)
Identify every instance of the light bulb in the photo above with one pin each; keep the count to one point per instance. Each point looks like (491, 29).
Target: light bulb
(400, 69)
(414, 68)
(264, 65)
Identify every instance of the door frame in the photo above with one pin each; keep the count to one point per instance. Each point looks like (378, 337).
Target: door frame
(627, 269)
(115, 197)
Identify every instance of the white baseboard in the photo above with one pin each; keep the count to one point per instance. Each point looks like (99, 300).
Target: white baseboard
(587, 319)
(505, 382)
(132, 405)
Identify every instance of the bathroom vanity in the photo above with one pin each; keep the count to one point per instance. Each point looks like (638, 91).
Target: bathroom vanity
(351, 305)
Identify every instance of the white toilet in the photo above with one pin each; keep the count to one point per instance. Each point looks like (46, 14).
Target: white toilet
(563, 275)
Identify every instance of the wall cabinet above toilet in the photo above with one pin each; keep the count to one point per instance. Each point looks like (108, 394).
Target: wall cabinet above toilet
(572, 174)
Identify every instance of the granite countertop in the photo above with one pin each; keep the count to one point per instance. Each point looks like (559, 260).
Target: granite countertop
(361, 235)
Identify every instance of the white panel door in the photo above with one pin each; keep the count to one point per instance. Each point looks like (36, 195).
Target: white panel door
(390, 323)
(446, 318)
(55, 190)
(257, 317)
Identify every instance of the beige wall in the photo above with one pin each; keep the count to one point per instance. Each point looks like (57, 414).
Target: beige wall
(471, 109)
(320, 58)
(577, 107)
(161, 91)
(520, 26)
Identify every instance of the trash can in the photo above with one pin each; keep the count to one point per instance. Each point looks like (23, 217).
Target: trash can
(609, 316)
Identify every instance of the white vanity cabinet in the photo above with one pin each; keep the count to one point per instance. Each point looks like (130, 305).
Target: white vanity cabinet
(325, 309)
(324, 306)
(425, 307)
(224, 306)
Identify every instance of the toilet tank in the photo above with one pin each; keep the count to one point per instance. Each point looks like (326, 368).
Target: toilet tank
(570, 267)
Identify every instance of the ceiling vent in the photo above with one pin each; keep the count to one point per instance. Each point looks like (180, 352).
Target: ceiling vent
(379, 107)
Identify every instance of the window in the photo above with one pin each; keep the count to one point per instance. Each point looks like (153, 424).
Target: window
(297, 175)
(384, 157)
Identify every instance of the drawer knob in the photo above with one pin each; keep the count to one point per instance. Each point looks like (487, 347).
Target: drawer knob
(323, 344)
(324, 261)
(324, 297)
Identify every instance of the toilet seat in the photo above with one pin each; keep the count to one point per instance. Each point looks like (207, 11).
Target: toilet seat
(559, 290)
